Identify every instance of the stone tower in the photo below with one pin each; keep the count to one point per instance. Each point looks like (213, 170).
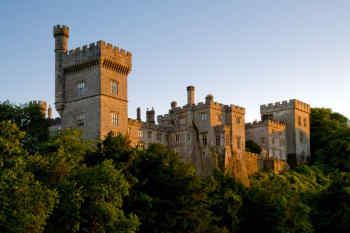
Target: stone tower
(61, 34)
(91, 86)
(296, 115)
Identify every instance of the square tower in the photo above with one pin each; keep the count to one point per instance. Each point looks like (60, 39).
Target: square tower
(296, 115)
(91, 86)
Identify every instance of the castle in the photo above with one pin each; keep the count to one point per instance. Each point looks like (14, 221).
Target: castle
(91, 93)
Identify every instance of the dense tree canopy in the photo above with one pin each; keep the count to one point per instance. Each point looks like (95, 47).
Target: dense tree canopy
(251, 146)
(65, 184)
(330, 139)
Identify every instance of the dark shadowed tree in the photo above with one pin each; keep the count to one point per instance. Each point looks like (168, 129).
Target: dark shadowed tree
(25, 203)
(251, 146)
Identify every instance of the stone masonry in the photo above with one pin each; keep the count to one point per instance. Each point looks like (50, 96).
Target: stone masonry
(91, 94)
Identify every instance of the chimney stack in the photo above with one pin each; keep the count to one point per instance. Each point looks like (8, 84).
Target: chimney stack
(49, 112)
(150, 116)
(190, 95)
(138, 113)
(173, 104)
(209, 99)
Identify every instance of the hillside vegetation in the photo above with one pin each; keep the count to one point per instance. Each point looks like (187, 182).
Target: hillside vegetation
(64, 184)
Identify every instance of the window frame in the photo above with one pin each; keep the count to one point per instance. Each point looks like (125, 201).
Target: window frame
(81, 88)
(204, 116)
(114, 87)
(115, 119)
(81, 119)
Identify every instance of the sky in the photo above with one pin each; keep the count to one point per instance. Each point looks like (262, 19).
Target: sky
(243, 52)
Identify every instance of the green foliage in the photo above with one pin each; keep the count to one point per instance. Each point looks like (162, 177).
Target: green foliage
(25, 204)
(226, 199)
(65, 184)
(29, 119)
(103, 188)
(332, 212)
(251, 146)
(330, 139)
(168, 196)
(282, 203)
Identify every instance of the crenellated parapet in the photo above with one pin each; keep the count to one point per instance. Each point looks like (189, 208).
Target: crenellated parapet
(133, 122)
(110, 57)
(251, 156)
(42, 104)
(237, 109)
(266, 123)
(285, 105)
(61, 30)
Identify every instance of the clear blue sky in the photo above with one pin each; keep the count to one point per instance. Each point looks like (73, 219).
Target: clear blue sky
(244, 52)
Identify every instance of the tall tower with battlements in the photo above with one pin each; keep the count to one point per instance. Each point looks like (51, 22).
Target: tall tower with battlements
(296, 115)
(91, 86)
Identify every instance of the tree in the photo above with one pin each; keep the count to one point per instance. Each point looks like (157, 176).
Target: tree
(330, 139)
(169, 196)
(90, 197)
(251, 146)
(226, 199)
(25, 204)
(28, 118)
(282, 203)
(332, 212)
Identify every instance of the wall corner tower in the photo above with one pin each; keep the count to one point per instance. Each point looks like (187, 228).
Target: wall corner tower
(61, 35)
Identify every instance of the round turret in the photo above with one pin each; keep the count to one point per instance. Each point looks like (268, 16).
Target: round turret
(61, 34)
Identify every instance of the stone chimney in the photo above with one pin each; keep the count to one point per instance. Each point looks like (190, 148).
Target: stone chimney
(190, 95)
(150, 114)
(49, 112)
(209, 99)
(173, 104)
(138, 114)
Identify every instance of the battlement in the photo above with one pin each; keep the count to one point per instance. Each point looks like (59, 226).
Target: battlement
(99, 52)
(284, 105)
(266, 123)
(134, 122)
(42, 104)
(61, 30)
(163, 117)
(237, 109)
(251, 155)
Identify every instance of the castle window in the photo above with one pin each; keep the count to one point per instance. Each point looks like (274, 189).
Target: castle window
(203, 154)
(114, 134)
(129, 131)
(177, 139)
(305, 122)
(301, 137)
(204, 139)
(159, 136)
(227, 140)
(188, 139)
(114, 119)
(150, 134)
(204, 116)
(81, 120)
(114, 87)
(238, 142)
(299, 120)
(218, 140)
(238, 120)
(262, 140)
(140, 133)
(81, 88)
(141, 146)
